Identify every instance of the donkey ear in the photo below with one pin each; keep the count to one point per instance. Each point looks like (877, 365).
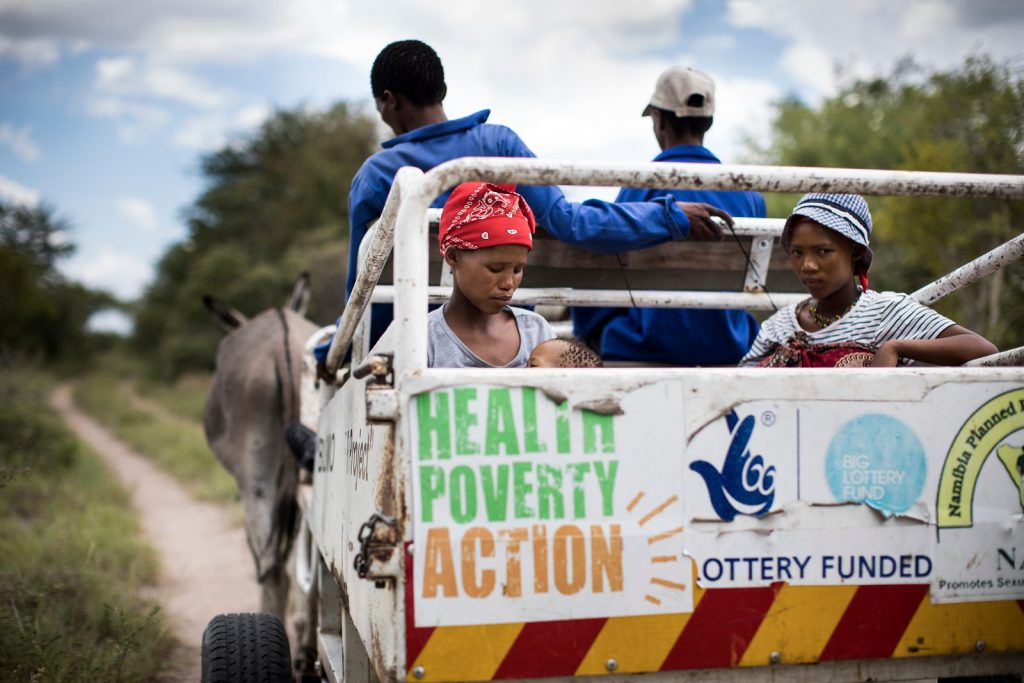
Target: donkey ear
(299, 299)
(225, 316)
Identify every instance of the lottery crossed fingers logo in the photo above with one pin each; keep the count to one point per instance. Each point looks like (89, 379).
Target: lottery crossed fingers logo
(744, 485)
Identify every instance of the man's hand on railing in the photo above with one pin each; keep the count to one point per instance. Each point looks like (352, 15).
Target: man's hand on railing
(701, 225)
(323, 375)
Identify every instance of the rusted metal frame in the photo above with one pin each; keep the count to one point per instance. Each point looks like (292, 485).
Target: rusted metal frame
(1008, 357)
(378, 366)
(967, 274)
(411, 271)
(727, 177)
(370, 268)
(986, 264)
(411, 264)
(752, 227)
(759, 261)
(330, 646)
(567, 296)
(742, 227)
(361, 337)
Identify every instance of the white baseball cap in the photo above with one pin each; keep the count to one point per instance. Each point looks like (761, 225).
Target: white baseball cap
(684, 92)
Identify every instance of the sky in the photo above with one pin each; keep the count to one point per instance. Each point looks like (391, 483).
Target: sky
(106, 106)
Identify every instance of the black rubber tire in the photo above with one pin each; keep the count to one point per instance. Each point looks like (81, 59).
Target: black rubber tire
(244, 648)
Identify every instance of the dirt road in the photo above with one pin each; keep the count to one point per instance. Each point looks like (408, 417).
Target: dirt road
(206, 568)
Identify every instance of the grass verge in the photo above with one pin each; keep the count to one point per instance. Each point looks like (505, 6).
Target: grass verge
(71, 564)
(185, 398)
(178, 447)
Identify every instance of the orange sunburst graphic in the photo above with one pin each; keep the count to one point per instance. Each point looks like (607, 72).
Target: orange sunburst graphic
(651, 514)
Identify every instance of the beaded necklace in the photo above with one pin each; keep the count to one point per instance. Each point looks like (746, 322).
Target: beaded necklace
(826, 320)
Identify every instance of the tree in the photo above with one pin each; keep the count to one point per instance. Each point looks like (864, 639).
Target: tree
(970, 119)
(43, 314)
(276, 204)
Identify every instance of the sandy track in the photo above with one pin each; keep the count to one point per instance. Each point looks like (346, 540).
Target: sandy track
(206, 567)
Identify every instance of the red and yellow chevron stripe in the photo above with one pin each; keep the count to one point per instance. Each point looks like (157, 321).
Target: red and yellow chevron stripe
(728, 627)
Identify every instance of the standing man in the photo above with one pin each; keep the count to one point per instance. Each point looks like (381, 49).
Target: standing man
(407, 81)
(682, 110)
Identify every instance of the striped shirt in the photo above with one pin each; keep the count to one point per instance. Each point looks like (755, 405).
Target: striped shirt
(876, 317)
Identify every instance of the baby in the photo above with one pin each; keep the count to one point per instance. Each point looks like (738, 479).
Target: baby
(563, 353)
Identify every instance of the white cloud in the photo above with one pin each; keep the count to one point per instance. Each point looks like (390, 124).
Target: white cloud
(252, 116)
(136, 122)
(123, 76)
(811, 65)
(744, 110)
(16, 193)
(927, 17)
(201, 133)
(120, 273)
(242, 31)
(866, 37)
(19, 140)
(32, 53)
(714, 41)
(111, 71)
(214, 130)
(139, 212)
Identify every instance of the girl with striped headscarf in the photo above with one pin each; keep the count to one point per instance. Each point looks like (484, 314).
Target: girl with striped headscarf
(844, 323)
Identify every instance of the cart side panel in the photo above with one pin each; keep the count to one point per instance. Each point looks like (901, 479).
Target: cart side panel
(355, 479)
(663, 531)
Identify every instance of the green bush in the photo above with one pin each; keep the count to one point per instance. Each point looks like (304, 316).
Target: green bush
(71, 565)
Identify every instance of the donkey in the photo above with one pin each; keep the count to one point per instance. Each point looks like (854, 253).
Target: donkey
(253, 397)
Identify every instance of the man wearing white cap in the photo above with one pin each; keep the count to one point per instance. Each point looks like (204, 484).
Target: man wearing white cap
(681, 110)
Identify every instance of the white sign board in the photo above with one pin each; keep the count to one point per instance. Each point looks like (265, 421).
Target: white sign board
(527, 510)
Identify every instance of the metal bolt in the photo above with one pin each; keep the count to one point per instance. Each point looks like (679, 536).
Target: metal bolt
(980, 646)
(418, 672)
(611, 665)
(775, 658)
(763, 244)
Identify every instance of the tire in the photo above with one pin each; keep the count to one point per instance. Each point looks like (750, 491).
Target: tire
(244, 648)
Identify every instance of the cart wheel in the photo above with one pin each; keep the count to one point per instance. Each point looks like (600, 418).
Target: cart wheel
(239, 648)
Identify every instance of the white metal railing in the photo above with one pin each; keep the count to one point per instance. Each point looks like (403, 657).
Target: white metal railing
(417, 190)
(567, 296)
(969, 273)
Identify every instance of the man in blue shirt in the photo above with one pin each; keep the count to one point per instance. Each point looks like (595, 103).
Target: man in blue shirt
(407, 81)
(681, 110)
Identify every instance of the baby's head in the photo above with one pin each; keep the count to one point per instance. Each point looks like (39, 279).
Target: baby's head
(485, 234)
(563, 353)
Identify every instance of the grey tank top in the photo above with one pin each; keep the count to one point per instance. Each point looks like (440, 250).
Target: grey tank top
(446, 350)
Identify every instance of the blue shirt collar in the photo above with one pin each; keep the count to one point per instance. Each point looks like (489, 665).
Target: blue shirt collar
(438, 129)
(689, 153)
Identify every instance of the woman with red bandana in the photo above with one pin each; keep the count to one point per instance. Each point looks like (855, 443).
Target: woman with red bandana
(845, 324)
(485, 235)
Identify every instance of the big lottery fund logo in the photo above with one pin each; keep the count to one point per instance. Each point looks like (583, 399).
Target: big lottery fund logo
(877, 460)
(744, 485)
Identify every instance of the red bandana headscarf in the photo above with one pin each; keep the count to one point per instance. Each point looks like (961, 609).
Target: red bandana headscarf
(480, 215)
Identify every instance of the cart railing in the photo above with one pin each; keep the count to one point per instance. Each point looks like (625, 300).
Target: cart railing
(407, 206)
